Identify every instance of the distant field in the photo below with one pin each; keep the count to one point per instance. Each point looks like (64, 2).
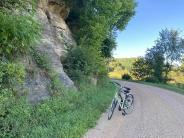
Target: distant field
(120, 66)
(126, 62)
(117, 74)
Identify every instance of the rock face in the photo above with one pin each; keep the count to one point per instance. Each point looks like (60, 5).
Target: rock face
(56, 39)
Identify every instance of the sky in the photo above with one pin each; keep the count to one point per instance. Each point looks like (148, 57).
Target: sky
(151, 17)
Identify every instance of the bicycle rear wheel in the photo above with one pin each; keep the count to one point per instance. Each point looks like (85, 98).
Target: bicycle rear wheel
(112, 107)
(129, 104)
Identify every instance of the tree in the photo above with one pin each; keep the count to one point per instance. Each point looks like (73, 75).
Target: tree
(155, 60)
(169, 48)
(141, 69)
(172, 45)
(93, 23)
(181, 68)
(107, 46)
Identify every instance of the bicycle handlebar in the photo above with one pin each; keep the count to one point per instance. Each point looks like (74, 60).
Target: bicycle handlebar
(116, 83)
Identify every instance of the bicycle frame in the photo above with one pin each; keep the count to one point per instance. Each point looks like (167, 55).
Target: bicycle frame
(121, 97)
(120, 100)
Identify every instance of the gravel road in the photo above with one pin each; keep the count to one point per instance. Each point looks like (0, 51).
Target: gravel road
(158, 113)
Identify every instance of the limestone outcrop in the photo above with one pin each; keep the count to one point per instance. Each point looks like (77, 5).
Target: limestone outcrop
(56, 39)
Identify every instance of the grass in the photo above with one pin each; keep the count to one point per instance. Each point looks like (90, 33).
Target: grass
(172, 87)
(68, 115)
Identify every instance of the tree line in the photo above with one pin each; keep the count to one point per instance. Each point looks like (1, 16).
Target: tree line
(159, 60)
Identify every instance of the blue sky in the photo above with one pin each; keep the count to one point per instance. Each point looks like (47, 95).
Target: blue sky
(143, 29)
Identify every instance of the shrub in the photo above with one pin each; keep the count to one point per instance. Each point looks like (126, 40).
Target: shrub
(21, 5)
(56, 87)
(141, 69)
(41, 59)
(152, 79)
(11, 74)
(82, 62)
(17, 34)
(126, 77)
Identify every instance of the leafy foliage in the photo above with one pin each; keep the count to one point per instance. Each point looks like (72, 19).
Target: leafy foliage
(82, 62)
(94, 24)
(107, 46)
(68, 115)
(120, 66)
(169, 48)
(122, 63)
(11, 74)
(141, 69)
(17, 34)
(18, 5)
(41, 59)
(182, 68)
(158, 61)
(155, 60)
(126, 77)
(171, 44)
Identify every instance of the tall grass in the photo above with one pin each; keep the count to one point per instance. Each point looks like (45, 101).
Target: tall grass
(68, 115)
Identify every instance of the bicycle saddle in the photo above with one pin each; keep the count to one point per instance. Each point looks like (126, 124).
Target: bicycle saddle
(128, 89)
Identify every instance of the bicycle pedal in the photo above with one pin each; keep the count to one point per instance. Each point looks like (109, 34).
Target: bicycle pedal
(119, 108)
(123, 114)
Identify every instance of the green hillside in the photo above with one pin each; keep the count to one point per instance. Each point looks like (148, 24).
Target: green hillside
(120, 66)
(122, 63)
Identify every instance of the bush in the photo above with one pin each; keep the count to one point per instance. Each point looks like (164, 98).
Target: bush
(141, 69)
(126, 77)
(152, 79)
(21, 5)
(82, 62)
(11, 74)
(17, 34)
(41, 59)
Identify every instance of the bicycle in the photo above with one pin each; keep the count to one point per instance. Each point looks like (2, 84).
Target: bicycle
(124, 99)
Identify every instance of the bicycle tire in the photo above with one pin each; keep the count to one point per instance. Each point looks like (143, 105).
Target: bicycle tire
(111, 109)
(130, 104)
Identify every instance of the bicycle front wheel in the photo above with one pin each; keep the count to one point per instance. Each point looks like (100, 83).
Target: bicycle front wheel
(129, 104)
(112, 107)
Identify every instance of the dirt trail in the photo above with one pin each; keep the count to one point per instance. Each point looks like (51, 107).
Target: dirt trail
(158, 113)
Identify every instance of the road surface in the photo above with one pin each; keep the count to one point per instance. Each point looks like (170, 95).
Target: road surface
(158, 113)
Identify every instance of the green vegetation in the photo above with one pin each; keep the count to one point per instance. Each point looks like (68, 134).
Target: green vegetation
(120, 66)
(18, 5)
(41, 59)
(158, 61)
(159, 64)
(11, 74)
(94, 24)
(126, 77)
(68, 115)
(140, 69)
(18, 33)
(80, 63)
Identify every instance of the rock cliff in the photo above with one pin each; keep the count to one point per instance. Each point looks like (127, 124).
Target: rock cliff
(56, 39)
